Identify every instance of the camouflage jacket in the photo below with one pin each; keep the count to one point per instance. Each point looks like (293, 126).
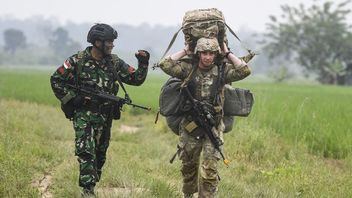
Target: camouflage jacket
(204, 81)
(94, 73)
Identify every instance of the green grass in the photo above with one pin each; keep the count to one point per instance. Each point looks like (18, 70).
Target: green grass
(318, 115)
(296, 143)
(34, 86)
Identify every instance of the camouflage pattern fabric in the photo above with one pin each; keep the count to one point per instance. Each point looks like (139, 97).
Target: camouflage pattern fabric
(190, 152)
(95, 73)
(207, 44)
(92, 128)
(200, 23)
(92, 135)
(192, 146)
(180, 69)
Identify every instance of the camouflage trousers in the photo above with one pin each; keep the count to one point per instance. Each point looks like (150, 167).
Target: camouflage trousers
(191, 148)
(92, 136)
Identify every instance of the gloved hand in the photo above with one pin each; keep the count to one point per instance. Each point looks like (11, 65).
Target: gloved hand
(78, 101)
(142, 57)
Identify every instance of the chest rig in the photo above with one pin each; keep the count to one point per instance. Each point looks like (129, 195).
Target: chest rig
(90, 73)
(207, 86)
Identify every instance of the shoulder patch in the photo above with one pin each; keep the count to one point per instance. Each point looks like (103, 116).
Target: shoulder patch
(67, 64)
(61, 70)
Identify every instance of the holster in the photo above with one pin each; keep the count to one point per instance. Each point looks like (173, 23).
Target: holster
(116, 112)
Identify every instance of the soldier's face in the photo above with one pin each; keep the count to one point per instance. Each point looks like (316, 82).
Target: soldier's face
(108, 46)
(206, 59)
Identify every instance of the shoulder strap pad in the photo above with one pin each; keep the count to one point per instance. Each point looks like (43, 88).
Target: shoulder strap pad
(81, 56)
(115, 59)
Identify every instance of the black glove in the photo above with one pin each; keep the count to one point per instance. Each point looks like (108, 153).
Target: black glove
(142, 57)
(78, 101)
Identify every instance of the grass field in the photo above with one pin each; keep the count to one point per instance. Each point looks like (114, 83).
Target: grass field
(296, 143)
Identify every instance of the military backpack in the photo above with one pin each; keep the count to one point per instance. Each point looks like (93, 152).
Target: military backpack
(208, 23)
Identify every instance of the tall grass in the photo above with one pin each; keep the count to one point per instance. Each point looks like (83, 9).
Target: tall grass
(315, 114)
(285, 148)
(34, 86)
(28, 145)
(263, 163)
(27, 85)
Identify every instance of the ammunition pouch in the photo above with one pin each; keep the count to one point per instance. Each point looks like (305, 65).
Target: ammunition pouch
(192, 128)
(68, 109)
(116, 112)
(238, 102)
(228, 122)
(173, 122)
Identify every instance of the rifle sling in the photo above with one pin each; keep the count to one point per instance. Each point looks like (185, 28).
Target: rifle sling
(117, 77)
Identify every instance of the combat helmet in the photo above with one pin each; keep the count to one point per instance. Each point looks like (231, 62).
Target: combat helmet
(207, 44)
(101, 31)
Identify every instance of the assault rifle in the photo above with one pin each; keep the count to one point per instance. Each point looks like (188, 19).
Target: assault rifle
(206, 121)
(102, 95)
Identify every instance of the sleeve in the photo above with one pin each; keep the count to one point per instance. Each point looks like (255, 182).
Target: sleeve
(178, 69)
(61, 77)
(236, 73)
(130, 75)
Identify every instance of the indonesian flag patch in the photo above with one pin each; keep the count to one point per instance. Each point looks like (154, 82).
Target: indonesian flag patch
(61, 70)
(67, 64)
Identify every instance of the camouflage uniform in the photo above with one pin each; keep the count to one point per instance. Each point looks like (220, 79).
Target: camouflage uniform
(92, 121)
(192, 145)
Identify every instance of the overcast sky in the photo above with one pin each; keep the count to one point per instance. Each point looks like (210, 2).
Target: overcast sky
(251, 13)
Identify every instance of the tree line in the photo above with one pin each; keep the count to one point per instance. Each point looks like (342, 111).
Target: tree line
(61, 45)
(317, 38)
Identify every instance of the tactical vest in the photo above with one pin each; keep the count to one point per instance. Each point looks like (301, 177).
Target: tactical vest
(68, 107)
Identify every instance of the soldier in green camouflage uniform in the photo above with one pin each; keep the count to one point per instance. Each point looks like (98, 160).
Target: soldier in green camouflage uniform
(193, 140)
(97, 68)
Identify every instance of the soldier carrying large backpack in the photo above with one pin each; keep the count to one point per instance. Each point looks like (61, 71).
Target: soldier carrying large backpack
(204, 72)
(198, 101)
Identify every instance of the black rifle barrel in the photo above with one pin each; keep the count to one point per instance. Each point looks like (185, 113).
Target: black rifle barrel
(106, 96)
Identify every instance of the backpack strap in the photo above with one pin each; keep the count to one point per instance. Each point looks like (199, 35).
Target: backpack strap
(81, 59)
(233, 33)
(111, 63)
(190, 75)
(220, 83)
(171, 43)
(168, 47)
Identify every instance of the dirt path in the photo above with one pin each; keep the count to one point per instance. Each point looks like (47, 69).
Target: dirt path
(43, 185)
(43, 182)
(118, 192)
(128, 129)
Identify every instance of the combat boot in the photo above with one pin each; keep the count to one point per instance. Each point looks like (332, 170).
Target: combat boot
(88, 192)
